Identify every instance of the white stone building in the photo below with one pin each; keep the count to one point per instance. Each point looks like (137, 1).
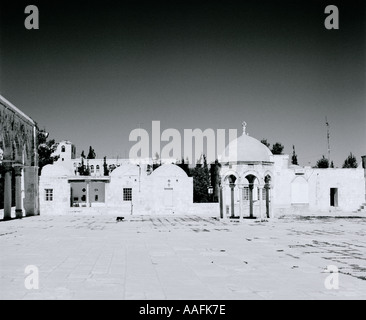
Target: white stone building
(129, 189)
(253, 183)
(259, 184)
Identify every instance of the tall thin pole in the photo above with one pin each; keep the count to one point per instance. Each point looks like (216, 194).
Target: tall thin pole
(328, 137)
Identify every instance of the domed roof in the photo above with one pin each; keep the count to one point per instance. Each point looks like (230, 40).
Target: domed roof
(246, 149)
(125, 170)
(55, 170)
(169, 170)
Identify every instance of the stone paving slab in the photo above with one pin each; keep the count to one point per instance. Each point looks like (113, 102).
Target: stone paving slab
(183, 258)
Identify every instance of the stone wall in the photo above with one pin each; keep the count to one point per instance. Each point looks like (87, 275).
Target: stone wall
(350, 185)
(18, 142)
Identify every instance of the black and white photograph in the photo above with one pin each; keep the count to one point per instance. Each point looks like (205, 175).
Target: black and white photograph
(182, 155)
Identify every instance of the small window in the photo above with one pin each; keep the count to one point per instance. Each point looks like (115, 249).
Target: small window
(98, 168)
(96, 198)
(63, 149)
(246, 193)
(92, 169)
(49, 194)
(127, 194)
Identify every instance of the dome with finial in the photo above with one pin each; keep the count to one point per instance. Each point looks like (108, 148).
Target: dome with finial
(246, 149)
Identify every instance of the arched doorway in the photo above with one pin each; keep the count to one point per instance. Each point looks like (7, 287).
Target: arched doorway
(231, 195)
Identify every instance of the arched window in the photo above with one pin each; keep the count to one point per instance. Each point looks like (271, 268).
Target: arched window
(98, 168)
(92, 169)
(63, 149)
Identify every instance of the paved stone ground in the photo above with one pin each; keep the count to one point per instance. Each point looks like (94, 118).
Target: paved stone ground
(187, 258)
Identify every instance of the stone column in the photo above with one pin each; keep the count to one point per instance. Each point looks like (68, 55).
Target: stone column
(232, 186)
(221, 204)
(7, 190)
(18, 192)
(241, 191)
(260, 200)
(87, 193)
(251, 187)
(271, 212)
(267, 187)
(31, 200)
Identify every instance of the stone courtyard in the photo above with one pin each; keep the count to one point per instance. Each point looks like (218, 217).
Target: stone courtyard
(183, 257)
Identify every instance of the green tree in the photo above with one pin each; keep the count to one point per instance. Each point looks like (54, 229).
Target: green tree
(105, 167)
(156, 161)
(350, 162)
(81, 168)
(45, 150)
(215, 178)
(91, 154)
(322, 163)
(266, 143)
(294, 157)
(87, 170)
(112, 167)
(277, 148)
(185, 166)
(201, 182)
(82, 155)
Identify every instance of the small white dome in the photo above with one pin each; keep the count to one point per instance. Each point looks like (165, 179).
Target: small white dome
(125, 170)
(55, 170)
(246, 149)
(169, 170)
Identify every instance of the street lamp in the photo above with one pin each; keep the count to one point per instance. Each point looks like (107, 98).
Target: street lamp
(210, 192)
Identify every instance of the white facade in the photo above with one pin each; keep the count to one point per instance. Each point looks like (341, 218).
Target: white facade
(130, 189)
(168, 190)
(54, 190)
(288, 189)
(254, 183)
(322, 190)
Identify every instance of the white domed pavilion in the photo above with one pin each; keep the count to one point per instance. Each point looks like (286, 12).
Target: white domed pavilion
(246, 175)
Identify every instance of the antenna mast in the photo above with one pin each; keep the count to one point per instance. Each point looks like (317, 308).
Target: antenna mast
(328, 137)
